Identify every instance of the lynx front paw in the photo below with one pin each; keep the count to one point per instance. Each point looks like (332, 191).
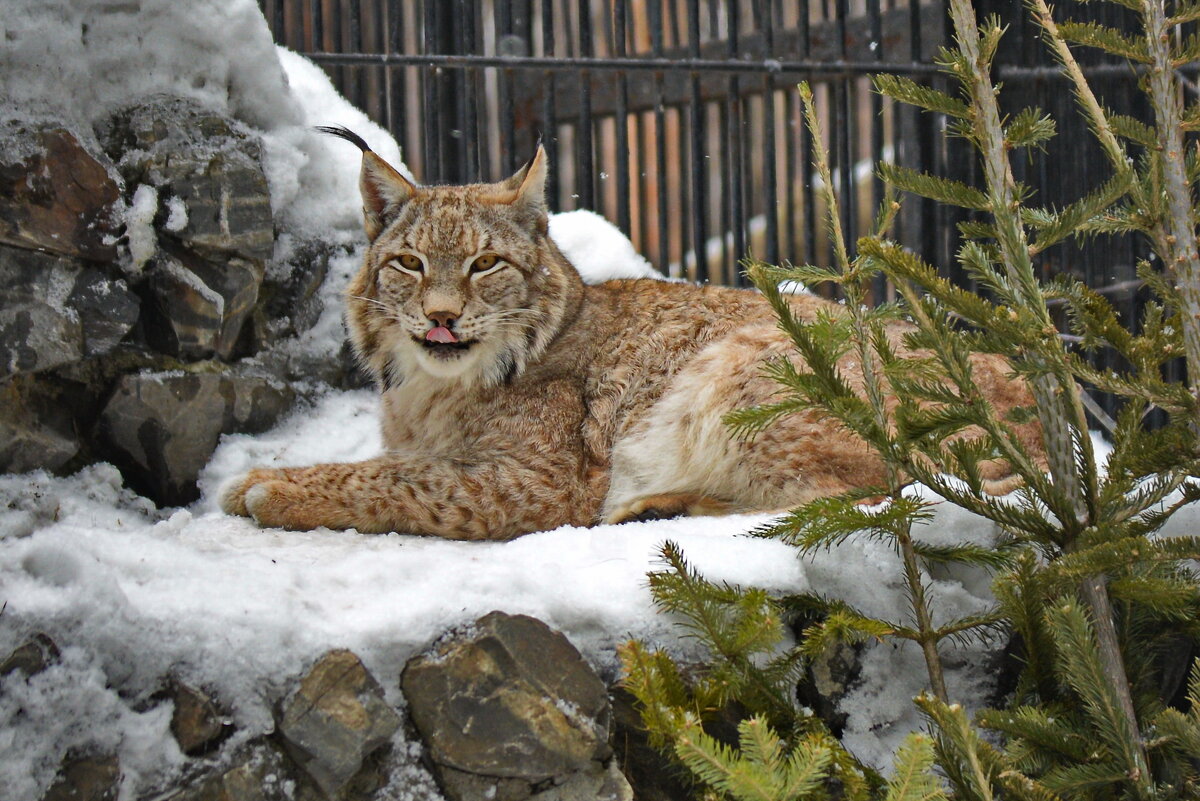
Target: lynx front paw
(283, 499)
(232, 496)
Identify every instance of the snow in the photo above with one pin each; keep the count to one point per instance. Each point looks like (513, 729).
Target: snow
(597, 248)
(139, 227)
(133, 594)
(177, 215)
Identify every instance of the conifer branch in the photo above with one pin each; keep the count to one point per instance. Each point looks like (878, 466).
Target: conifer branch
(1083, 663)
(911, 778)
(855, 276)
(1181, 257)
(1069, 451)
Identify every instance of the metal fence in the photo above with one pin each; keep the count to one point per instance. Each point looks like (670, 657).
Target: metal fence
(678, 119)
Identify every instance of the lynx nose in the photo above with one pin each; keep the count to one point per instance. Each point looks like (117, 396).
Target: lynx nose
(443, 319)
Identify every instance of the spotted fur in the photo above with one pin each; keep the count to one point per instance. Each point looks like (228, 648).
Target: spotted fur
(549, 402)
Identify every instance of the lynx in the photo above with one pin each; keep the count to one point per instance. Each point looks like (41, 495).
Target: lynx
(515, 398)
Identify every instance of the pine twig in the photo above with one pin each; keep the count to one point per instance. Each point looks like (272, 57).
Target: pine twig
(1063, 421)
(1182, 257)
(927, 634)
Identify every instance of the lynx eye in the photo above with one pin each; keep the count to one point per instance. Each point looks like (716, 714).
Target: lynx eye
(484, 263)
(409, 262)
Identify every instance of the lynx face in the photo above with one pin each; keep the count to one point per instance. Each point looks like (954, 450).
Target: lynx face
(459, 282)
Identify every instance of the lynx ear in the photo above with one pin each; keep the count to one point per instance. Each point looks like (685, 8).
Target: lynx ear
(384, 190)
(384, 193)
(529, 184)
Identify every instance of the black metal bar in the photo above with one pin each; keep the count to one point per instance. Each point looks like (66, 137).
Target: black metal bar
(389, 73)
(622, 121)
(823, 69)
(806, 155)
(508, 119)
(844, 141)
(660, 143)
(488, 167)
(584, 155)
(726, 222)
(736, 187)
(549, 113)
(350, 37)
(770, 186)
(792, 183)
(468, 41)
(699, 183)
(875, 142)
(433, 122)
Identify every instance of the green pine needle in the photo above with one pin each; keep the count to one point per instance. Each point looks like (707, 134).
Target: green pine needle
(912, 777)
(942, 190)
(1110, 40)
(909, 91)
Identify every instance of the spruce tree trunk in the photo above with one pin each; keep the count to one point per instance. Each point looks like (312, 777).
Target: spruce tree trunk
(1059, 407)
(1181, 255)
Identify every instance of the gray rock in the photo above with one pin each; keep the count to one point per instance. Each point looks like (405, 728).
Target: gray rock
(55, 311)
(288, 299)
(107, 309)
(828, 679)
(35, 432)
(56, 194)
(458, 784)
(165, 426)
(92, 778)
(214, 224)
(594, 783)
(335, 720)
(198, 305)
(608, 784)
(196, 722)
(32, 657)
(260, 773)
(509, 702)
(207, 162)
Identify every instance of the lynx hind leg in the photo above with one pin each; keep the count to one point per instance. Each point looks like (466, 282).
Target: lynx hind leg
(669, 505)
(680, 458)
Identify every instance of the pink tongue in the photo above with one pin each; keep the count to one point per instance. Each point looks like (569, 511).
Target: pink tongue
(441, 335)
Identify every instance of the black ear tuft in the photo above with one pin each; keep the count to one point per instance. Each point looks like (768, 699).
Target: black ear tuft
(347, 134)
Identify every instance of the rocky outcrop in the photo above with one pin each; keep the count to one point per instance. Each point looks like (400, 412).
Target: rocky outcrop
(145, 301)
(510, 710)
(504, 709)
(206, 170)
